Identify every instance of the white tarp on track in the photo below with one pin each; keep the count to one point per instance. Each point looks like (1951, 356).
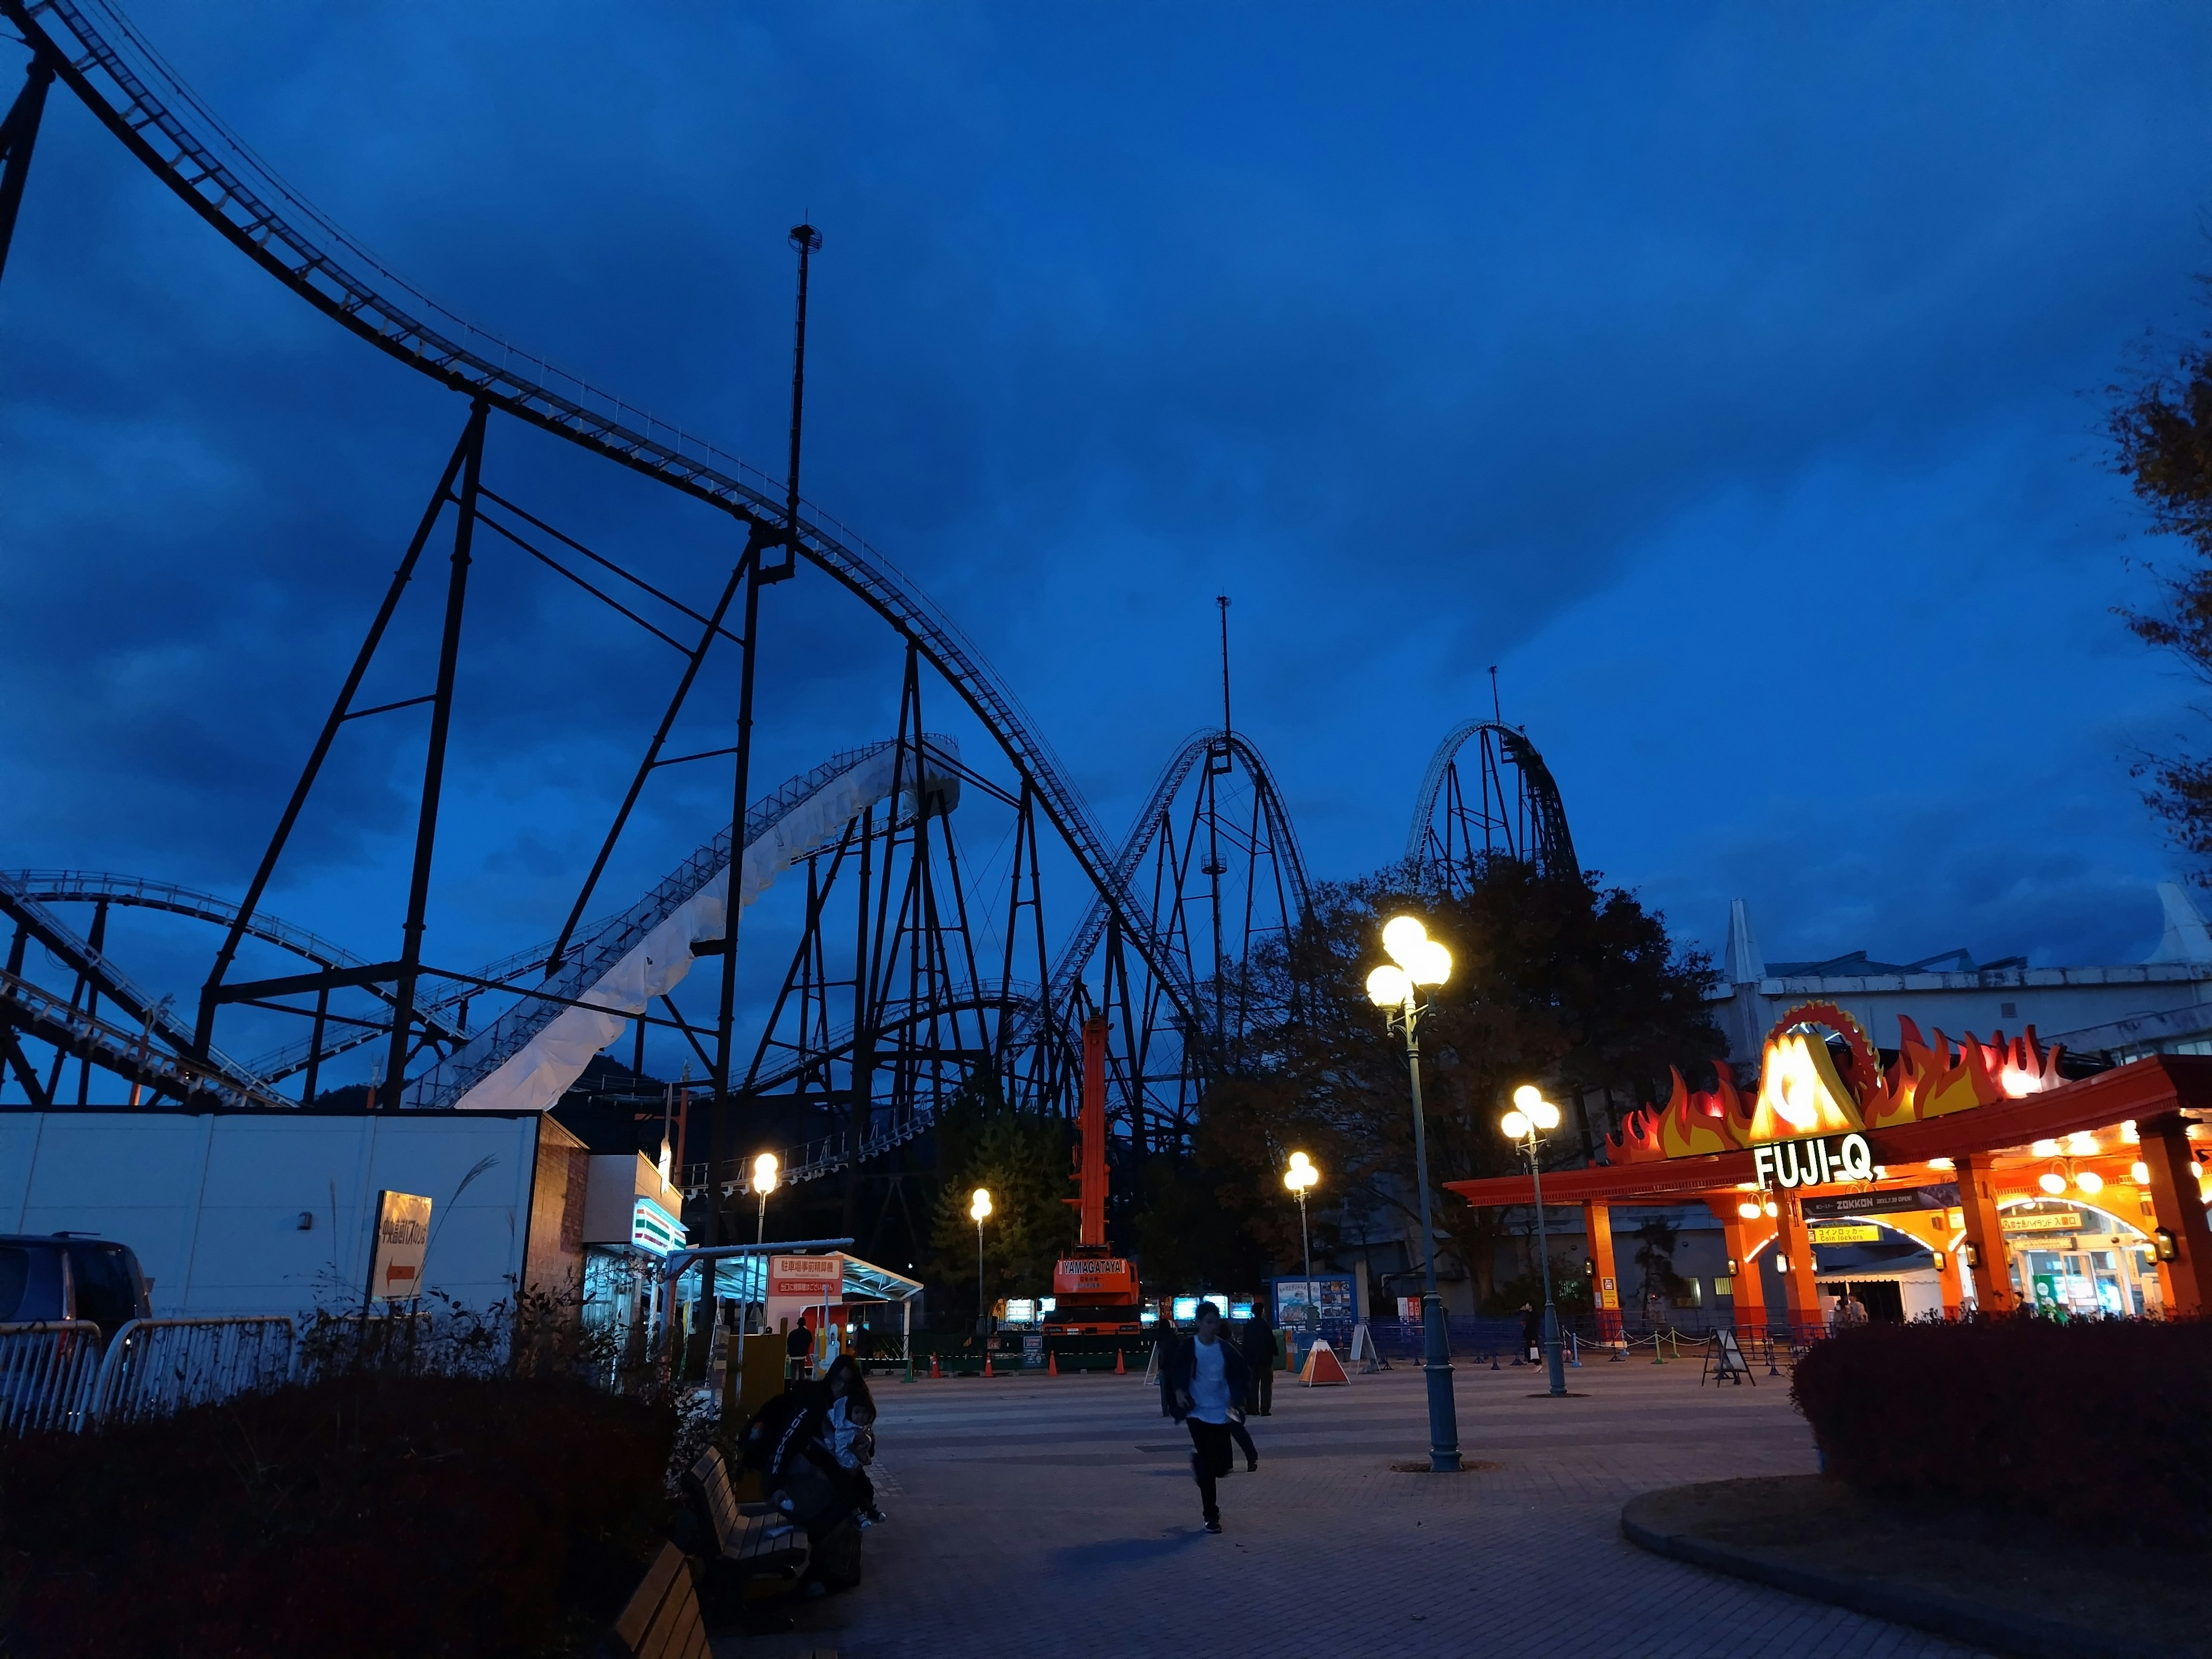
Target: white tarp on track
(536, 1077)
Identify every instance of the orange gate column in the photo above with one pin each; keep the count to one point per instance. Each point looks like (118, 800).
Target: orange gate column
(1743, 1238)
(1985, 1245)
(1605, 1294)
(1796, 1247)
(2173, 1196)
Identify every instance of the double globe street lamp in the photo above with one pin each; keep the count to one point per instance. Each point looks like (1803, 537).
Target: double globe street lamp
(765, 1169)
(978, 1207)
(1300, 1178)
(1526, 1125)
(1417, 960)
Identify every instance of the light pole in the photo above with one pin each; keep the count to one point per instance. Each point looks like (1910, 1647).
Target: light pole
(1525, 1126)
(1417, 960)
(764, 1172)
(1301, 1177)
(979, 1206)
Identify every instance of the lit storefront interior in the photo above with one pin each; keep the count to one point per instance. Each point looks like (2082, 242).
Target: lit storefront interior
(1962, 1175)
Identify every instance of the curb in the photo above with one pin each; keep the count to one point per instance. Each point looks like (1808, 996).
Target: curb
(1977, 1623)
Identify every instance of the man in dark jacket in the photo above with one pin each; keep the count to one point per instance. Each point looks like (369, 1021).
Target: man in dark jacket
(1260, 1360)
(1207, 1381)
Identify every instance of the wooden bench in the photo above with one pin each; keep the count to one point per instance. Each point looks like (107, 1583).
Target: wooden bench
(662, 1619)
(746, 1541)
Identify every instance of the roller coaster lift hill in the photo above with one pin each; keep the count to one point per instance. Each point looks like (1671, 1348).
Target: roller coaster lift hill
(920, 975)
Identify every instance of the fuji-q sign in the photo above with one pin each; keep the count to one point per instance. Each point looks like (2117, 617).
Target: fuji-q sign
(1813, 1163)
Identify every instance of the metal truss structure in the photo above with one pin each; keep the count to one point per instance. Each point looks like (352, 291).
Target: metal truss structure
(920, 976)
(1503, 804)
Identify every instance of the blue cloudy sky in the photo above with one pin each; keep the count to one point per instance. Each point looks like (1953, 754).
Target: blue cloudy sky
(1729, 376)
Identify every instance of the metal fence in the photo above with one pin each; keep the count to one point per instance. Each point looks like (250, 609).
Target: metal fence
(156, 1366)
(47, 1372)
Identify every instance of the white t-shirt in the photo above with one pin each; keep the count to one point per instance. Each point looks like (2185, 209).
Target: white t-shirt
(1209, 1382)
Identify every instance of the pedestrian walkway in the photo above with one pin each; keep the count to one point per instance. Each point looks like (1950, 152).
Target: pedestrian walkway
(1059, 1515)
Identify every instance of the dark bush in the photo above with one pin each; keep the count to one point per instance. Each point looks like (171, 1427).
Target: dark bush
(361, 1517)
(2104, 1424)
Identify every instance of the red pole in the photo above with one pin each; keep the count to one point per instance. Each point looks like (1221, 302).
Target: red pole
(1094, 1130)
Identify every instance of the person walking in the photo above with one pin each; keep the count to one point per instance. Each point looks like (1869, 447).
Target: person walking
(1260, 1360)
(1532, 1333)
(1205, 1378)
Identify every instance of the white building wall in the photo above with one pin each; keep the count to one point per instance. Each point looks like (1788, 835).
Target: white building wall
(212, 1202)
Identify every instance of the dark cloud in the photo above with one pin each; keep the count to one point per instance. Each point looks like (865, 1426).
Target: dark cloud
(1725, 379)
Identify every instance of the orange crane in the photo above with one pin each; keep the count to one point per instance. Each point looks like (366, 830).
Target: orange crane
(1095, 1291)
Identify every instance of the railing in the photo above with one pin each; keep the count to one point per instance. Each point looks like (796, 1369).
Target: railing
(46, 1375)
(156, 1366)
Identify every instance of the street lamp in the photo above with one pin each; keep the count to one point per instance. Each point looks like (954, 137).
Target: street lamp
(764, 1172)
(1417, 960)
(1525, 1125)
(979, 1206)
(1300, 1178)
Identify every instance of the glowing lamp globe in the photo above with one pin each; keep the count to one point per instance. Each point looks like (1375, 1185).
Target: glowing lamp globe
(1388, 987)
(765, 1169)
(980, 1205)
(1431, 964)
(2140, 1171)
(1402, 936)
(1516, 1126)
(2052, 1182)
(2090, 1182)
(1748, 1210)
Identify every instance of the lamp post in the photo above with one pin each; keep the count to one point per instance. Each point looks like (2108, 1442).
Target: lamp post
(1417, 960)
(1301, 1177)
(979, 1206)
(764, 1172)
(1525, 1125)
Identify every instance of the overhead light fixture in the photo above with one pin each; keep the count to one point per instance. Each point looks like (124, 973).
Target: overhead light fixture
(2089, 1182)
(2045, 1149)
(2051, 1182)
(2081, 1144)
(2140, 1172)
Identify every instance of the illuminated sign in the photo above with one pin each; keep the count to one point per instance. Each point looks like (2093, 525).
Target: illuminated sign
(1021, 1311)
(1847, 1232)
(652, 1228)
(2042, 1221)
(402, 1239)
(1186, 1308)
(813, 1277)
(1813, 1163)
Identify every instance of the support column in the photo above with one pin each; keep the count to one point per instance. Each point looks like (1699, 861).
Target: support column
(1795, 1245)
(2180, 1211)
(1743, 1238)
(1985, 1245)
(1605, 1294)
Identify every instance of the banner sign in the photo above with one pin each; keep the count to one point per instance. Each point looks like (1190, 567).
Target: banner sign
(402, 1239)
(1897, 1201)
(2042, 1221)
(1813, 1162)
(808, 1278)
(1846, 1232)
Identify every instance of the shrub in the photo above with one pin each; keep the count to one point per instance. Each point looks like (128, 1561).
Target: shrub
(363, 1515)
(2100, 1424)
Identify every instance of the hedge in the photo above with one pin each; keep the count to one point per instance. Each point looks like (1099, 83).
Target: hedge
(2097, 1423)
(351, 1519)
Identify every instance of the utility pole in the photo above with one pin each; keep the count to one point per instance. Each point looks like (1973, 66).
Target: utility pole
(806, 241)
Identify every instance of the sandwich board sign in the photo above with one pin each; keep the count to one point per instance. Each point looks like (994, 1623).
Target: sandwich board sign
(402, 1238)
(1724, 1358)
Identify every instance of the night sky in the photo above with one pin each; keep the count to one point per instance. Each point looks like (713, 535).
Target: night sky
(1732, 381)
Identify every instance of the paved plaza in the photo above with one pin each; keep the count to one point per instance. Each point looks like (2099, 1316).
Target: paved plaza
(1058, 1516)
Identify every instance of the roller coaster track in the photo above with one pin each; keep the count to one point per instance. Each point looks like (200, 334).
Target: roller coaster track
(127, 86)
(1077, 952)
(37, 1012)
(1545, 840)
(584, 972)
(141, 892)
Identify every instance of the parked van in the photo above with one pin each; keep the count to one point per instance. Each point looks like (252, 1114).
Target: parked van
(54, 1276)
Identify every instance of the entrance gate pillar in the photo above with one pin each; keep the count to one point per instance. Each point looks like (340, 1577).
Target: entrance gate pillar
(1605, 1295)
(2187, 1279)
(1986, 1248)
(1795, 1244)
(1743, 1238)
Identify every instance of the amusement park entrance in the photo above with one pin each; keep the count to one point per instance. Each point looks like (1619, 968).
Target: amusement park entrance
(1958, 1176)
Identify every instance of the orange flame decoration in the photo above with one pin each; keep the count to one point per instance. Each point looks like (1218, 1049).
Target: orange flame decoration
(1801, 1092)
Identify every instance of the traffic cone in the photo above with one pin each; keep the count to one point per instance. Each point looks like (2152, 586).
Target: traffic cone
(933, 1372)
(986, 1364)
(1118, 1369)
(1052, 1364)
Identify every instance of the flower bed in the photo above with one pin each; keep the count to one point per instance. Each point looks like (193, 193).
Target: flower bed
(2092, 1423)
(365, 1516)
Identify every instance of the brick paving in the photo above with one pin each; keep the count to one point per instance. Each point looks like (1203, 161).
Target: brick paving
(1059, 1515)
